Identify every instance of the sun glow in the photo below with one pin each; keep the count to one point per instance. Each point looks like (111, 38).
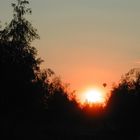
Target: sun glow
(94, 96)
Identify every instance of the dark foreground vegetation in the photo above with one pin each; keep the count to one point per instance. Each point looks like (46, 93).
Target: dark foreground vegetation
(36, 105)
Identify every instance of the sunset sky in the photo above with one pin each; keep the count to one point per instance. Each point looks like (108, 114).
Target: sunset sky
(86, 42)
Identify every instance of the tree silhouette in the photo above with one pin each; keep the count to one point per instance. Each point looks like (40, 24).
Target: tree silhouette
(19, 68)
(24, 86)
(31, 95)
(60, 102)
(124, 103)
(19, 62)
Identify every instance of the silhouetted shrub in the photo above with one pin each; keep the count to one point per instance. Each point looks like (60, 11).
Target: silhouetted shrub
(124, 104)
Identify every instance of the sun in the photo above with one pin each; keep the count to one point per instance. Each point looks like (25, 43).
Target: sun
(94, 96)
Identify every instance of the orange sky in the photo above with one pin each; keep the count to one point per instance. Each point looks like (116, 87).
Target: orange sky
(86, 42)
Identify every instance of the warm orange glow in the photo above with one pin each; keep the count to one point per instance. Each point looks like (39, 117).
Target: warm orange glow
(94, 96)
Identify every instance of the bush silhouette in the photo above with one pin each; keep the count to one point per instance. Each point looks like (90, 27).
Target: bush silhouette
(124, 103)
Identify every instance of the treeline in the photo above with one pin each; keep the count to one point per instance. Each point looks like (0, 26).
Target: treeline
(36, 105)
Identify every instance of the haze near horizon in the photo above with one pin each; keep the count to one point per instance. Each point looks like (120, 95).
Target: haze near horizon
(88, 42)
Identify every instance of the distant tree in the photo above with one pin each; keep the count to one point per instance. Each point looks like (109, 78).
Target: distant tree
(60, 101)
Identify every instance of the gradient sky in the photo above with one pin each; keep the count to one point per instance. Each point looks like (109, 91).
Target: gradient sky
(86, 42)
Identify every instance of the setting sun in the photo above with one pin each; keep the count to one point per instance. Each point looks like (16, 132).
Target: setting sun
(94, 96)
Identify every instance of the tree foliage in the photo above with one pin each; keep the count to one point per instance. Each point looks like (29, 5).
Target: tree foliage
(18, 59)
(21, 71)
(19, 30)
(124, 103)
(26, 89)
